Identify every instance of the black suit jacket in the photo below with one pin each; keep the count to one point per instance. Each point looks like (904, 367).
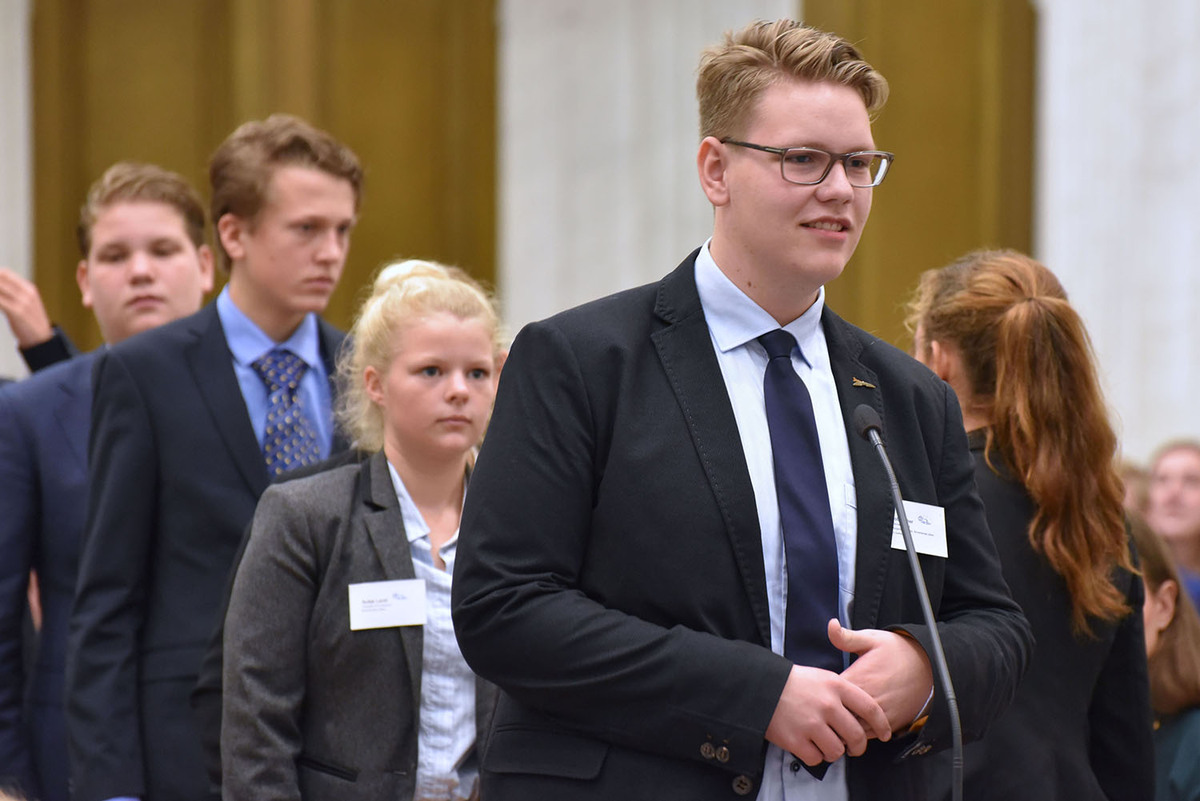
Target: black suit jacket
(43, 497)
(610, 576)
(1080, 725)
(175, 473)
(314, 710)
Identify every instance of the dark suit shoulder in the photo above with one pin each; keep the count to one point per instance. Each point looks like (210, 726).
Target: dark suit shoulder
(162, 344)
(74, 372)
(606, 316)
(316, 490)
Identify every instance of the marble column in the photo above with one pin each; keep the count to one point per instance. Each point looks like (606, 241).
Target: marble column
(598, 136)
(16, 162)
(1118, 187)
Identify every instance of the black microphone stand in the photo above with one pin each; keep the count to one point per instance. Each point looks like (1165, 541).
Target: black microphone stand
(867, 421)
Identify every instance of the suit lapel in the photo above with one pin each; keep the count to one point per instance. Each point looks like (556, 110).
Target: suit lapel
(385, 527)
(686, 351)
(858, 384)
(73, 406)
(211, 365)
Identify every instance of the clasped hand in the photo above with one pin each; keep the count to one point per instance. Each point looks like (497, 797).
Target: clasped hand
(822, 716)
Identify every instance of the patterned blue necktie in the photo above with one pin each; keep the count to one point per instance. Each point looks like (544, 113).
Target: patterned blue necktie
(290, 438)
(809, 546)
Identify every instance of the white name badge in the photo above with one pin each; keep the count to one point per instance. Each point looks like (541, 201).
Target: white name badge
(384, 604)
(928, 527)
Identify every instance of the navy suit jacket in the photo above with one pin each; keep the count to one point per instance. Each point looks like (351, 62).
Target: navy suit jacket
(175, 473)
(43, 496)
(610, 576)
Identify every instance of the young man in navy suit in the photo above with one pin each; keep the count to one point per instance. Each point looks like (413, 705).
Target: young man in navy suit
(622, 571)
(144, 263)
(189, 424)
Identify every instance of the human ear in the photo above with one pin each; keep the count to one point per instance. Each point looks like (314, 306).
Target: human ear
(711, 164)
(943, 360)
(85, 287)
(230, 230)
(1160, 605)
(205, 254)
(373, 382)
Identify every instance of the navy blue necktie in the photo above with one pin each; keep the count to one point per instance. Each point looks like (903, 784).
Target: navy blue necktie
(809, 547)
(808, 541)
(290, 438)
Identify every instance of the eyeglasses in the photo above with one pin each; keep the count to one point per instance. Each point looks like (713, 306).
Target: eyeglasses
(811, 165)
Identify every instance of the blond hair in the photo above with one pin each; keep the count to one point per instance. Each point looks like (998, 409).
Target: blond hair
(133, 182)
(404, 292)
(734, 74)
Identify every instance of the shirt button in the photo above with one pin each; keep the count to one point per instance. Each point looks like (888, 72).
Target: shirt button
(795, 766)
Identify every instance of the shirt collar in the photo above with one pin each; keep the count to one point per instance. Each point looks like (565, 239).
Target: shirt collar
(247, 342)
(734, 319)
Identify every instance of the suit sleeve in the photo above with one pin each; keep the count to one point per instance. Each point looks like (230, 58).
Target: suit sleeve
(522, 618)
(1120, 721)
(19, 498)
(57, 348)
(265, 661)
(103, 715)
(985, 636)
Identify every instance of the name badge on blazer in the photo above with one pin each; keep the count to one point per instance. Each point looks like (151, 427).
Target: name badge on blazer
(385, 604)
(928, 526)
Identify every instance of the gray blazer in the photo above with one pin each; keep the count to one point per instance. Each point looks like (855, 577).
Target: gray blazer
(313, 710)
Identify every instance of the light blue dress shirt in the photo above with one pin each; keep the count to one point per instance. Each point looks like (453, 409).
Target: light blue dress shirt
(447, 762)
(247, 343)
(734, 323)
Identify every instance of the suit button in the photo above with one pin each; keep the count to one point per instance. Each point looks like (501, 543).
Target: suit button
(722, 754)
(707, 751)
(742, 785)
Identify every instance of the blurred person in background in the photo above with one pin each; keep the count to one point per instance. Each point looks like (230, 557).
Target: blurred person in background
(1173, 648)
(1173, 507)
(144, 263)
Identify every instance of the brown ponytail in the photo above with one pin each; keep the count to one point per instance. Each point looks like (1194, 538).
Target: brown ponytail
(1029, 362)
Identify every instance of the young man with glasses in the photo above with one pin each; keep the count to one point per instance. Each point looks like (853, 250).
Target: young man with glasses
(676, 555)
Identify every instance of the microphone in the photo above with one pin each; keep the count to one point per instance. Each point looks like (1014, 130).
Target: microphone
(870, 428)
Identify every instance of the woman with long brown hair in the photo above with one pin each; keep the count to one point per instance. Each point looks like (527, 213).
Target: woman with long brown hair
(997, 326)
(1173, 649)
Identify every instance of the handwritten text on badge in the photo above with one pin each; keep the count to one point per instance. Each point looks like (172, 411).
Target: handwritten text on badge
(384, 604)
(928, 526)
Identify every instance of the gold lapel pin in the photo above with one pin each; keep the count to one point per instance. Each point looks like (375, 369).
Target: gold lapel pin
(858, 382)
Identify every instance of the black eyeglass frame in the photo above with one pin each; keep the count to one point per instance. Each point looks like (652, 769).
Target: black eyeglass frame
(886, 157)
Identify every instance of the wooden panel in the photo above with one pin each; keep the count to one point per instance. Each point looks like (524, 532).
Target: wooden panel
(409, 84)
(960, 120)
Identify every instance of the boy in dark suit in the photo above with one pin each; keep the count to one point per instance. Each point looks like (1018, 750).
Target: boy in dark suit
(676, 556)
(144, 263)
(188, 426)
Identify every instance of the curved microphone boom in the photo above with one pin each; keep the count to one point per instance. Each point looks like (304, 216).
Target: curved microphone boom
(870, 428)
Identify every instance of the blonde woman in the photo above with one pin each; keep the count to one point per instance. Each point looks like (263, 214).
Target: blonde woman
(343, 679)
